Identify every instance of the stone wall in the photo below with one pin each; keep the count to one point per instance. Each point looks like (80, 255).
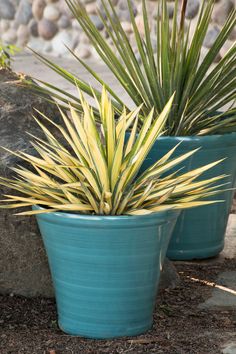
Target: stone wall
(44, 25)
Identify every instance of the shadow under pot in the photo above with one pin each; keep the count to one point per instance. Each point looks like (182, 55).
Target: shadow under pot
(199, 232)
(106, 270)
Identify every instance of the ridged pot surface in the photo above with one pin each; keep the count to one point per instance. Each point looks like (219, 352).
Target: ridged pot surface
(106, 270)
(199, 232)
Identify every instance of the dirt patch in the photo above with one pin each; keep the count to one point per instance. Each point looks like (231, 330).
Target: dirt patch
(28, 326)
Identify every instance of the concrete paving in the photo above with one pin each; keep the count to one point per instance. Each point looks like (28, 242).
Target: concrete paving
(230, 240)
(29, 64)
(229, 348)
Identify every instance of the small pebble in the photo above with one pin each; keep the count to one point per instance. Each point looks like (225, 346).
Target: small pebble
(211, 36)
(51, 13)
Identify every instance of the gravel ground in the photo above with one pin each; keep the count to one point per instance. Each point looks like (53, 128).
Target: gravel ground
(28, 326)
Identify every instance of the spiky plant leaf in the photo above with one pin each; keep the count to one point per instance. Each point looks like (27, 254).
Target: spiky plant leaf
(93, 169)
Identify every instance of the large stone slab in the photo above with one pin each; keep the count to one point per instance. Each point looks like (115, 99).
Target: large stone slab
(229, 348)
(224, 292)
(23, 264)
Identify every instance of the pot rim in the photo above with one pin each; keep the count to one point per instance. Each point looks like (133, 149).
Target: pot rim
(197, 138)
(160, 216)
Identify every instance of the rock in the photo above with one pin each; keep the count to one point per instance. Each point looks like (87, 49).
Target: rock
(97, 22)
(7, 10)
(23, 264)
(140, 24)
(64, 22)
(33, 27)
(151, 8)
(230, 348)
(9, 37)
(204, 52)
(4, 25)
(122, 5)
(23, 35)
(16, 2)
(38, 8)
(123, 12)
(225, 48)
(37, 43)
(124, 15)
(47, 29)
(82, 52)
(221, 299)
(47, 48)
(24, 12)
(51, 13)
(91, 8)
(169, 276)
(192, 8)
(75, 24)
(137, 55)
(211, 36)
(64, 9)
(100, 6)
(127, 27)
(170, 9)
(232, 35)
(61, 40)
(14, 25)
(217, 58)
(84, 39)
(221, 11)
(154, 43)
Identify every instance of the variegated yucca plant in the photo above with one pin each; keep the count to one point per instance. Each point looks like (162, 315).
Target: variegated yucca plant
(170, 62)
(93, 169)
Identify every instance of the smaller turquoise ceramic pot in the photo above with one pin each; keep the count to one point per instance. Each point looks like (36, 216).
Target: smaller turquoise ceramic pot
(199, 232)
(106, 270)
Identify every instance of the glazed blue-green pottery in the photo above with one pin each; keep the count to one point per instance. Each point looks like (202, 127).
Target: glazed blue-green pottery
(199, 232)
(106, 270)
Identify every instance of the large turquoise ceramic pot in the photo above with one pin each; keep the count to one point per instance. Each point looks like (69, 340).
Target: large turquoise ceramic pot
(199, 232)
(106, 270)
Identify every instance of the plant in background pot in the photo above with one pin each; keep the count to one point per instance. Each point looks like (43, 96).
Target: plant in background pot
(105, 231)
(202, 91)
